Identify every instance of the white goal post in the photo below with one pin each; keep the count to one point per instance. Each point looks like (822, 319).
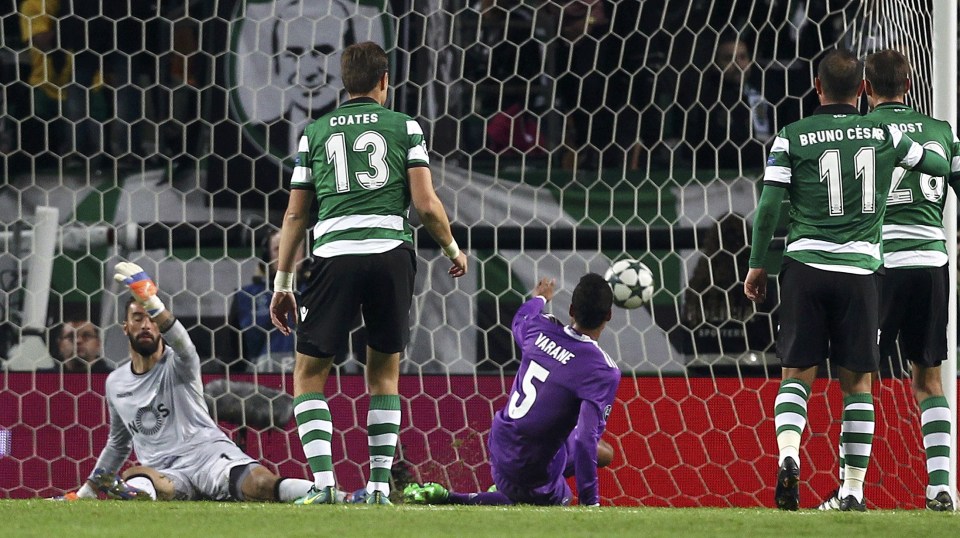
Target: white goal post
(944, 82)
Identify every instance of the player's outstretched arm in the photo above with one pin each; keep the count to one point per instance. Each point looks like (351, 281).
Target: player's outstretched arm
(915, 157)
(434, 218)
(933, 164)
(144, 291)
(532, 308)
(545, 288)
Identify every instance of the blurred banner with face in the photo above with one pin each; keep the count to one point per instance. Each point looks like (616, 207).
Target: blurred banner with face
(280, 71)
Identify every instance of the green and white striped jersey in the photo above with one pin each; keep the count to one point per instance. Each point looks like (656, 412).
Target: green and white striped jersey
(913, 234)
(356, 159)
(836, 166)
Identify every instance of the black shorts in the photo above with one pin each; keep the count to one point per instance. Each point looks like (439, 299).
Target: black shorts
(913, 313)
(827, 313)
(379, 285)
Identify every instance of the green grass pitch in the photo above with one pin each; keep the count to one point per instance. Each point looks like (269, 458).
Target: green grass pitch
(210, 519)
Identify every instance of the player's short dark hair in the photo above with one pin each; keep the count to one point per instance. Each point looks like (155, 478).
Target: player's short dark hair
(592, 300)
(362, 65)
(126, 307)
(840, 73)
(887, 71)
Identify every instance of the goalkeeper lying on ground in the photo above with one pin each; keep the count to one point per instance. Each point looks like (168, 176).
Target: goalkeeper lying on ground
(156, 404)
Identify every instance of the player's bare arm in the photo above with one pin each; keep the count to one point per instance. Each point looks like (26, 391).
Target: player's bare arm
(755, 285)
(283, 305)
(434, 217)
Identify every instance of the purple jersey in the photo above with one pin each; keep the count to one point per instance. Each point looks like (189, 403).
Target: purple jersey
(565, 380)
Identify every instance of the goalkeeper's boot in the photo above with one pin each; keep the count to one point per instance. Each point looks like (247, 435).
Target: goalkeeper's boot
(325, 495)
(941, 503)
(68, 496)
(114, 487)
(851, 504)
(427, 493)
(787, 495)
(832, 502)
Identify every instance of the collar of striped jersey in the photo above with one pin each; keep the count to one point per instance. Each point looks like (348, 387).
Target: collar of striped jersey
(891, 104)
(359, 100)
(836, 109)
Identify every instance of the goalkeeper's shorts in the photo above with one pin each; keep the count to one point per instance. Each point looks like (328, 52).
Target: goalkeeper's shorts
(207, 471)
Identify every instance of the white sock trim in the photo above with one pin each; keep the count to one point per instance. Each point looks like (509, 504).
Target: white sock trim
(383, 487)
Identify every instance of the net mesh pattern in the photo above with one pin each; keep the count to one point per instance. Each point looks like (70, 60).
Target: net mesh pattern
(563, 136)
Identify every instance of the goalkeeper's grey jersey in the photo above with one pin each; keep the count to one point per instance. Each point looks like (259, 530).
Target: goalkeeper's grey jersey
(162, 412)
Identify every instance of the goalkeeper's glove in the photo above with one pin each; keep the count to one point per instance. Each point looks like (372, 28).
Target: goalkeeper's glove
(141, 286)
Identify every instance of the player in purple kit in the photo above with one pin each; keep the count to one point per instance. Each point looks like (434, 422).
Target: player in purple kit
(558, 407)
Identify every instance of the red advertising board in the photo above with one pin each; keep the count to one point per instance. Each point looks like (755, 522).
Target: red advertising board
(679, 441)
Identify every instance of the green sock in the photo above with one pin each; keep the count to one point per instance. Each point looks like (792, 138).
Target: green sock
(856, 435)
(315, 427)
(790, 417)
(383, 428)
(935, 424)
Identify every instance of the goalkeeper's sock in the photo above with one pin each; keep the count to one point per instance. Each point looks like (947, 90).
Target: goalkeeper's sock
(790, 417)
(856, 434)
(87, 492)
(291, 489)
(486, 498)
(935, 424)
(383, 428)
(315, 427)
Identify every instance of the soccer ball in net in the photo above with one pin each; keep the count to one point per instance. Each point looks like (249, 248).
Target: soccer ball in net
(631, 282)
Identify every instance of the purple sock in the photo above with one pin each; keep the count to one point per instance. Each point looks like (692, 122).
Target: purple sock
(487, 498)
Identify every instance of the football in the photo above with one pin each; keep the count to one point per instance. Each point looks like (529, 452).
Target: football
(631, 282)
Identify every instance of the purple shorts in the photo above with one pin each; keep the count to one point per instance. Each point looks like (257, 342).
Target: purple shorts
(556, 492)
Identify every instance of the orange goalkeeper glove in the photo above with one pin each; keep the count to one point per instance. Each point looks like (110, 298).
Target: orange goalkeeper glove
(141, 286)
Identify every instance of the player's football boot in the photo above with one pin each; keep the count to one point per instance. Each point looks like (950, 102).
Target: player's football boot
(427, 493)
(114, 487)
(787, 494)
(851, 504)
(326, 495)
(377, 497)
(941, 503)
(832, 502)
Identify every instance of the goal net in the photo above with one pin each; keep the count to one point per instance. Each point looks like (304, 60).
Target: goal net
(563, 136)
